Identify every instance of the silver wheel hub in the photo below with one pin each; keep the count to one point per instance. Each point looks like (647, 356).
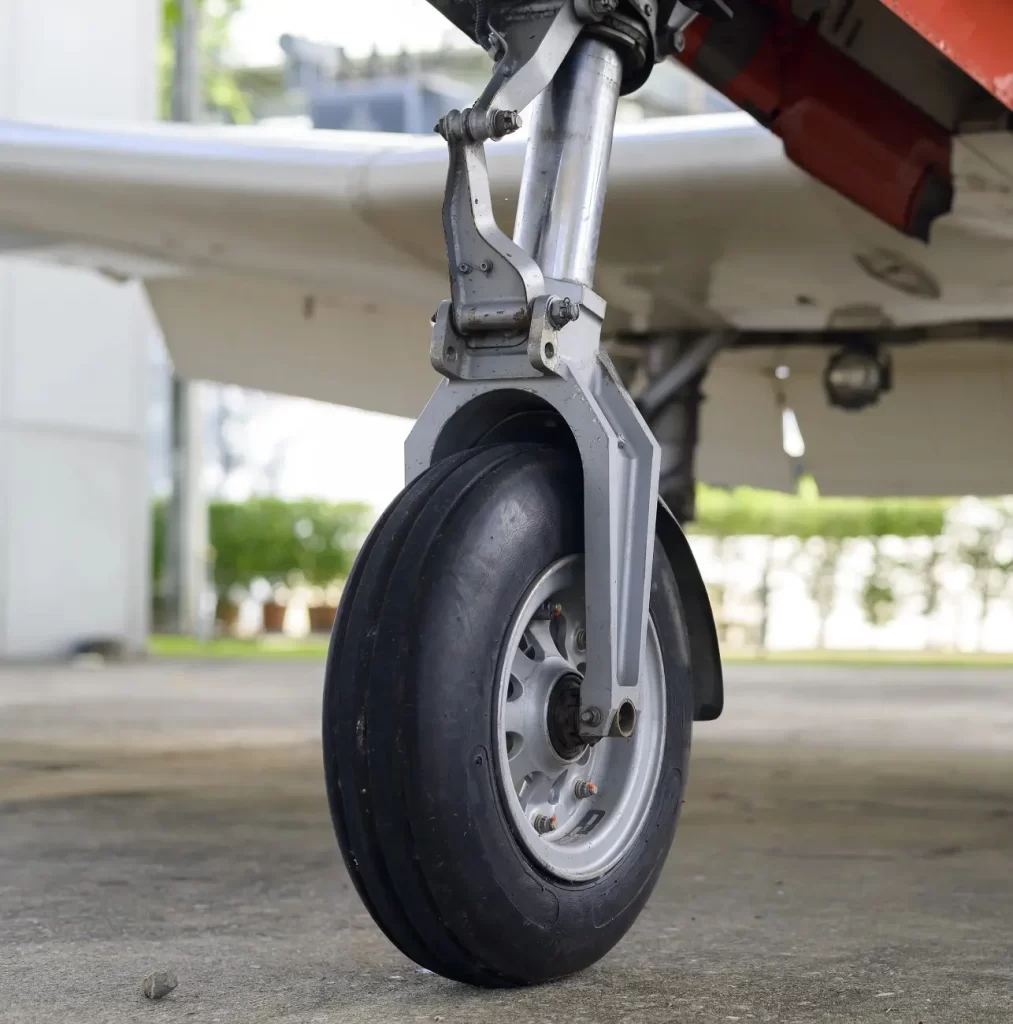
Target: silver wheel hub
(576, 808)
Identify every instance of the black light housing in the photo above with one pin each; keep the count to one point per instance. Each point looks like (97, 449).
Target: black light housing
(856, 376)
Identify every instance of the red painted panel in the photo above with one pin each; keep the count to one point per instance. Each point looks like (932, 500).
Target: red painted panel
(837, 121)
(977, 35)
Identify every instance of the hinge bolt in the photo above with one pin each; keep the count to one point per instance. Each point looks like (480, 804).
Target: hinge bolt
(562, 311)
(505, 122)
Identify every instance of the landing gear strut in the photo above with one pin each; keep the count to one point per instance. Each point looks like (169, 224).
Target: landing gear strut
(510, 686)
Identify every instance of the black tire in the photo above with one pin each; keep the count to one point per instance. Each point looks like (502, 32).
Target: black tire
(408, 726)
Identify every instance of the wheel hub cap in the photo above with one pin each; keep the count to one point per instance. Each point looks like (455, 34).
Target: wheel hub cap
(576, 808)
(564, 718)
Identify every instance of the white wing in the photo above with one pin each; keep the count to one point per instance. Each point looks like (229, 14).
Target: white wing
(312, 266)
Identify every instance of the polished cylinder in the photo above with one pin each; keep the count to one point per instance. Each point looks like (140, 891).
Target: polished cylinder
(566, 169)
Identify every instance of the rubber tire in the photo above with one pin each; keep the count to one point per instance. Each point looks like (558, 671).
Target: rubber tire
(408, 726)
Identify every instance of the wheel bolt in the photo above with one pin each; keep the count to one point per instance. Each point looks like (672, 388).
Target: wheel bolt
(580, 639)
(583, 790)
(543, 823)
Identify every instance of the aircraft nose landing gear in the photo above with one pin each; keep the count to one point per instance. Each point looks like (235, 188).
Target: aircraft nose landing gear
(509, 691)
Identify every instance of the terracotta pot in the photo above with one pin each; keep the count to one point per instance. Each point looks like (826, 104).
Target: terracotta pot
(226, 614)
(274, 616)
(322, 618)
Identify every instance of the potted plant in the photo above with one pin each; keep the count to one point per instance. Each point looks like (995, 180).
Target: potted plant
(275, 609)
(231, 560)
(322, 610)
(329, 536)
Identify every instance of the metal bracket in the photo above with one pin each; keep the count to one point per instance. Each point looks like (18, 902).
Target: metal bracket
(532, 50)
(621, 462)
(492, 281)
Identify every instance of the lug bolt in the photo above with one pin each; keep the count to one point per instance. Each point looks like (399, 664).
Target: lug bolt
(543, 823)
(580, 639)
(591, 716)
(583, 790)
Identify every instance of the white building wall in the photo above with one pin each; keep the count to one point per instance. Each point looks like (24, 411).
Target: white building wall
(74, 524)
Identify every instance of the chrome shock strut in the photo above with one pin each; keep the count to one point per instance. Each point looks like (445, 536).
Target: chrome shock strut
(562, 197)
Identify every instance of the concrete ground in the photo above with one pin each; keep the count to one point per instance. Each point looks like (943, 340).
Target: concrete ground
(846, 855)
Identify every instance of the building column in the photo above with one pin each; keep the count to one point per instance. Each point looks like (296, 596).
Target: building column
(74, 505)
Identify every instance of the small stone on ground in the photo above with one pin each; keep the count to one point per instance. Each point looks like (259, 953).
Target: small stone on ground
(159, 984)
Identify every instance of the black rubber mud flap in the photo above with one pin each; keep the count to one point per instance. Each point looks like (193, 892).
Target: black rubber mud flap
(705, 654)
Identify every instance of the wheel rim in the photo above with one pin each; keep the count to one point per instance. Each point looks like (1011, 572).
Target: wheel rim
(575, 834)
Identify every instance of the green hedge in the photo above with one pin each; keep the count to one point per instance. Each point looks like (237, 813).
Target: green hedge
(267, 538)
(747, 512)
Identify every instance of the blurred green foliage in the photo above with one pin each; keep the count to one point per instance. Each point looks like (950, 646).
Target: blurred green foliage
(748, 512)
(222, 93)
(274, 540)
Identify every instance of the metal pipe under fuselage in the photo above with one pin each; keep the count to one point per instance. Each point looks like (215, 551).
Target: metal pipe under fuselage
(562, 195)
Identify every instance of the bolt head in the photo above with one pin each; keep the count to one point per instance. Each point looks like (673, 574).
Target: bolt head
(562, 311)
(495, 46)
(505, 122)
(464, 268)
(485, 266)
(591, 716)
